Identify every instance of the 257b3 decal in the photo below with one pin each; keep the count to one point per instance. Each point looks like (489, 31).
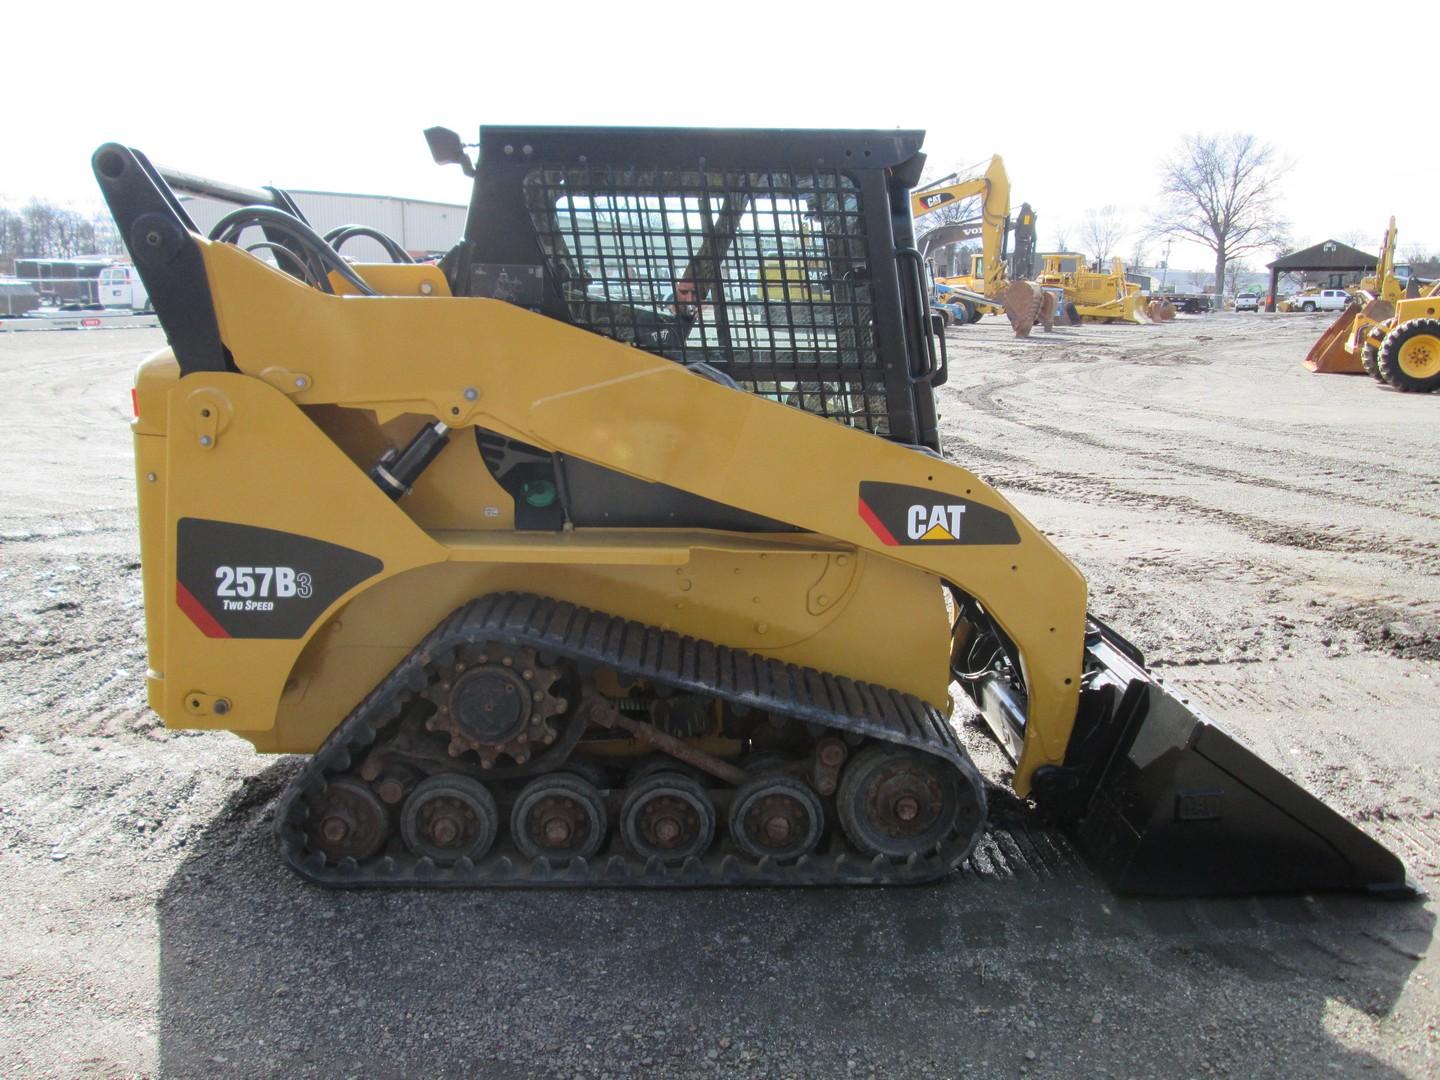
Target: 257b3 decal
(246, 588)
(242, 581)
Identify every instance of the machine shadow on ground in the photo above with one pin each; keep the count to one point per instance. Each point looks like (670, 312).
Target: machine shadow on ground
(262, 974)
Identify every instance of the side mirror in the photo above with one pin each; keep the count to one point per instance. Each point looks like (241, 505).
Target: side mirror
(447, 149)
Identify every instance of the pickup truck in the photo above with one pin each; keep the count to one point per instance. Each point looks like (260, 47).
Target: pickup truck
(1247, 302)
(1324, 300)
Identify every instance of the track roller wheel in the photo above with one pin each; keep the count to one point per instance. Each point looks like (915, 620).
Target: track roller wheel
(778, 816)
(898, 802)
(348, 821)
(1410, 356)
(558, 817)
(667, 816)
(448, 818)
(660, 763)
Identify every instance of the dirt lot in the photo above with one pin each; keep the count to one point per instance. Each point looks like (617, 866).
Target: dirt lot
(1268, 536)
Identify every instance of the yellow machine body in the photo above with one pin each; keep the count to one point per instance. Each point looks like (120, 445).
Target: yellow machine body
(325, 380)
(544, 591)
(1097, 296)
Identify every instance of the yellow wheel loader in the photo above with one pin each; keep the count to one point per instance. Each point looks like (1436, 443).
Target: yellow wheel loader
(566, 568)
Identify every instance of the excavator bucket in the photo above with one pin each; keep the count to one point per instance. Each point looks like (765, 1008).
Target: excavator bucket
(1160, 310)
(1329, 355)
(1022, 301)
(1177, 806)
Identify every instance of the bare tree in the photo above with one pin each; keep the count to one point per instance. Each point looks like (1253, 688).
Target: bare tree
(1415, 253)
(1356, 238)
(1199, 279)
(1233, 273)
(105, 235)
(1138, 254)
(1101, 232)
(12, 238)
(1222, 191)
(1062, 238)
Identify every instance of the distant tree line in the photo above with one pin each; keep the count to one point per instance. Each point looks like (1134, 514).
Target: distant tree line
(42, 230)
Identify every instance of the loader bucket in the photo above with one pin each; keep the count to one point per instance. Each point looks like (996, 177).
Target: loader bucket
(1048, 304)
(1179, 807)
(1328, 355)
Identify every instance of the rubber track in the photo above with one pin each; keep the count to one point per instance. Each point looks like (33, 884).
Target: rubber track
(644, 652)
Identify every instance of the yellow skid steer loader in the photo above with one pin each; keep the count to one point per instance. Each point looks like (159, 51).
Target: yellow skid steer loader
(569, 564)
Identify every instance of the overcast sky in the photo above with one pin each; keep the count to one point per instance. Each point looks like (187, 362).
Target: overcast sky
(335, 98)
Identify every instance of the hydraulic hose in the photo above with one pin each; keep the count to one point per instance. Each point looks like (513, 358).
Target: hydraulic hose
(311, 243)
(336, 238)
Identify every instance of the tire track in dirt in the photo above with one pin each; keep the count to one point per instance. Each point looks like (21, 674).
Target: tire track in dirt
(1040, 480)
(983, 397)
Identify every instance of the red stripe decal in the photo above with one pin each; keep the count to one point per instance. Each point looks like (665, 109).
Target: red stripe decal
(876, 525)
(198, 615)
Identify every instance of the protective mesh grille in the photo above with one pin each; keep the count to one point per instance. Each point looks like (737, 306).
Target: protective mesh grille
(761, 275)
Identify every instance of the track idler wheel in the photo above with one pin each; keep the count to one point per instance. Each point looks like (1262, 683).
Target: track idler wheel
(897, 802)
(558, 817)
(347, 822)
(669, 817)
(448, 818)
(778, 816)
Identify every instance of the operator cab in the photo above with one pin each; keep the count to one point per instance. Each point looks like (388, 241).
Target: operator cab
(781, 260)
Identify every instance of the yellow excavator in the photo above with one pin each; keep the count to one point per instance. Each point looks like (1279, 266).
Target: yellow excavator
(987, 289)
(565, 568)
(1389, 330)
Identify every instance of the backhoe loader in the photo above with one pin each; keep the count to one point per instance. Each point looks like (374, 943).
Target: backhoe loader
(567, 568)
(1390, 330)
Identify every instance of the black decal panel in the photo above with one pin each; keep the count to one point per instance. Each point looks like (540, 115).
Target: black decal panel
(247, 582)
(902, 515)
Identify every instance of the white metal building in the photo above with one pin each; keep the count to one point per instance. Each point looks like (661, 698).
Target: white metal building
(420, 227)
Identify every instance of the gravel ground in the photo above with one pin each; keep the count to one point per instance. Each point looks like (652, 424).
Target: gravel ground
(1267, 536)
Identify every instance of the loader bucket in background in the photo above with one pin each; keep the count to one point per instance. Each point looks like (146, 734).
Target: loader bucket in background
(1181, 808)
(1048, 305)
(1160, 310)
(1377, 310)
(1022, 301)
(1328, 355)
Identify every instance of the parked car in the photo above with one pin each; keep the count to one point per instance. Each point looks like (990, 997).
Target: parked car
(1247, 302)
(1323, 300)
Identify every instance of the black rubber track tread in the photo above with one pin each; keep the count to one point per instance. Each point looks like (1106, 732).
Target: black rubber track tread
(643, 652)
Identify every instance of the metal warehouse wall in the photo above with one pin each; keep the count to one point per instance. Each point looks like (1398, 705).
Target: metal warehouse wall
(419, 227)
